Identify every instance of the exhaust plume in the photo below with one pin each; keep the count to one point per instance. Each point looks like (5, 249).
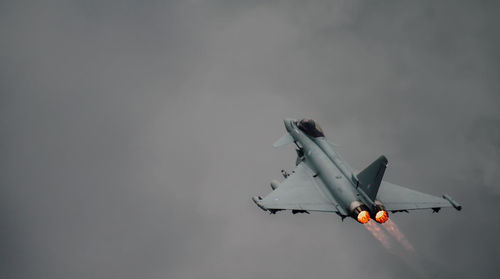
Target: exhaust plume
(378, 233)
(393, 230)
(406, 253)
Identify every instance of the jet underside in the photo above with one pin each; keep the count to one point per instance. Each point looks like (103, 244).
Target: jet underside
(323, 181)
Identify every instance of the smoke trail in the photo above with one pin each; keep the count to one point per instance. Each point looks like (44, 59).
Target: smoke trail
(378, 234)
(406, 253)
(393, 230)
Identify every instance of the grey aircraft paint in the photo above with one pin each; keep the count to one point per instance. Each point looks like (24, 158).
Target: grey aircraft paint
(323, 181)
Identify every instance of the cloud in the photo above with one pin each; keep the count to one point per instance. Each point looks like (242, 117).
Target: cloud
(134, 134)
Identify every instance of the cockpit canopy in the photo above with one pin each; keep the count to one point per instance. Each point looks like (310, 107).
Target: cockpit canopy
(310, 127)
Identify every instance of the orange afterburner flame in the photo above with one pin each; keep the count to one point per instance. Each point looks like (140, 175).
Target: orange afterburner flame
(363, 217)
(393, 230)
(379, 234)
(381, 216)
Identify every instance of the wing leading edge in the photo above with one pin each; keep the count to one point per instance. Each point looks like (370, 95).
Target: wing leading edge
(299, 191)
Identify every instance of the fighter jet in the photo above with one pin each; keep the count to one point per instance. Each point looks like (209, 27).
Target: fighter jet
(323, 181)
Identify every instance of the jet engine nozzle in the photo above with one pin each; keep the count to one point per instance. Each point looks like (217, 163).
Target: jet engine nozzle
(363, 217)
(381, 215)
(360, 212)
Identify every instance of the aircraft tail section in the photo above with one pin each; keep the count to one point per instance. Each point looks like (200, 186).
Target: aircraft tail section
(371, 177)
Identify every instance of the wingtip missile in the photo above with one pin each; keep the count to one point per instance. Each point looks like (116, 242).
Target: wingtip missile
(453, 203)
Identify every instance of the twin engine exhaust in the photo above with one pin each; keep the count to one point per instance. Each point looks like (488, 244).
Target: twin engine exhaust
(361, 212)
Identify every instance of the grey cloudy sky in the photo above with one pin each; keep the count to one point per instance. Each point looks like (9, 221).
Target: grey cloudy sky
(133, 134)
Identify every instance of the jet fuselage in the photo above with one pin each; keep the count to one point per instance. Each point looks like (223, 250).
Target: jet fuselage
(335, 173)
(323, 181)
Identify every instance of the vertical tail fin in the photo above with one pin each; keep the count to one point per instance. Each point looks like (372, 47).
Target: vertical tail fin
(371, 177)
